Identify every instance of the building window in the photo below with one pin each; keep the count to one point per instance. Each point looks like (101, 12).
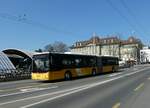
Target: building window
(80, 44)
(104, 41)
(112, 40)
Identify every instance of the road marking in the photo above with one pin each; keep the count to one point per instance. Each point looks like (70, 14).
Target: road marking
(148, 78)
(36, 89)
(7, 90)
(38, 85)
(84, 88)
(71, 92)
(25, 92)
(24, 87)
(135, 69)
(32, 89)
(115, 74)
(67, 91)
(135, 72)
(139, 87)
(12, 89)
(117, 105)
(58, 92)
(35, 85)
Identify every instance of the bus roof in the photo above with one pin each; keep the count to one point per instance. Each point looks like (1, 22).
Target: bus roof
(44, 53)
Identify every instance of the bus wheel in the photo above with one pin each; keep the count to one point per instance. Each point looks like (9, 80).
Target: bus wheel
(93, 72)
(68, 76)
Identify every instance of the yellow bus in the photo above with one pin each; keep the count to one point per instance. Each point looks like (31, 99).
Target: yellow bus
(53, 66)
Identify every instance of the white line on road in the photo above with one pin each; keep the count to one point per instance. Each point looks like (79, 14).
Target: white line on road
(81, 89)
(115, 74)
(53, 93)
(67, 91)
(35, 89)
(26, 91)
(117, 105)
(139, 87)
(74, 91)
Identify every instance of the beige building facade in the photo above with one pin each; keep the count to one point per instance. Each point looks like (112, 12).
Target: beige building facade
(111, 46)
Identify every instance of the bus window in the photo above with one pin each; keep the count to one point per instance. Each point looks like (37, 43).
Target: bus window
(109, 61)
(104, 61)
(67, 62)
(78, 62)
(99, 61)
(55, 62)
(92, 61)
(41, 63)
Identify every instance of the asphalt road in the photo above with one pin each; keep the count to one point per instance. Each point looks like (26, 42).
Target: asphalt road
(128, 88)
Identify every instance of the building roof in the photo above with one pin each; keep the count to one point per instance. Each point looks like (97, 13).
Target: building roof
(25, 54)
(106, 41)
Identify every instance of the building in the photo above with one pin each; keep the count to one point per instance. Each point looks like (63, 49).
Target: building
(126, 50)
(145, 55)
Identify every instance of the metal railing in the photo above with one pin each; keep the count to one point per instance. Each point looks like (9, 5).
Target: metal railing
(13, 74)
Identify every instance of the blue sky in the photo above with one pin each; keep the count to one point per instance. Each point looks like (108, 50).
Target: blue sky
(32, 24)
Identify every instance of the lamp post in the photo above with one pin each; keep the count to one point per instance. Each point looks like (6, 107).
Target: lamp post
(119, 49)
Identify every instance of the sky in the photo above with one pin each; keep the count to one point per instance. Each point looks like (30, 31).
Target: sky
(32, 24)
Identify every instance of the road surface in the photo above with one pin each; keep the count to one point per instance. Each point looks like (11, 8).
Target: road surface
(128, 88)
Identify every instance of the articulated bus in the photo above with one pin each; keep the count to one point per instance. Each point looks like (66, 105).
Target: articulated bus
(53, 66)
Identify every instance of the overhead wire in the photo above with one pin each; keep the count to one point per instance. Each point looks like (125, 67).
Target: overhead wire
(123, 16)
(25, 20)
(134, 18)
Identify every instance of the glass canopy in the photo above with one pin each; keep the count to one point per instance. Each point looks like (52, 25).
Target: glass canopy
(5, 63)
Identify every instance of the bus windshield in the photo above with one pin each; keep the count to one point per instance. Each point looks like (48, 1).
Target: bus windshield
(41, 63)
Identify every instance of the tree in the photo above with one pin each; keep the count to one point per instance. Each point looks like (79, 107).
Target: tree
(49, 48)
(57, 46)
(60, 46)
(38, 50)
